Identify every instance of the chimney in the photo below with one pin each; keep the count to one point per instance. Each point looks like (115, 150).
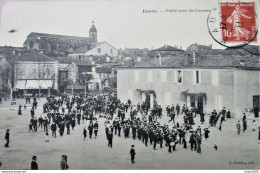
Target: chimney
(160, 59)
(242, 63)
(194, 57)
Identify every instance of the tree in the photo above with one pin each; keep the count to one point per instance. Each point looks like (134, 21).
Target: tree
(8, 81)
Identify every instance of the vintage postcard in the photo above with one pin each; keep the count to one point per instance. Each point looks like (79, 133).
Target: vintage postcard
(129, 85)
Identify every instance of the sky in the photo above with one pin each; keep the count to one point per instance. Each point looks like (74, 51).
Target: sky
(122, 23)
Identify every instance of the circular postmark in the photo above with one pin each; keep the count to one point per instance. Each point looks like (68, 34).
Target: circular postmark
(233, 24)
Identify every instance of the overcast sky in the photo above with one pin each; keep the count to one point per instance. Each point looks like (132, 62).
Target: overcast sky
(121, 23)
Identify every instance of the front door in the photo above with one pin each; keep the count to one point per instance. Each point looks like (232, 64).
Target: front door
(256, 102)
(200, 103)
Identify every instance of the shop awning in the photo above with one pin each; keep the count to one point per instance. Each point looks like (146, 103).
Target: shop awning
(39, 84)
(20, 84)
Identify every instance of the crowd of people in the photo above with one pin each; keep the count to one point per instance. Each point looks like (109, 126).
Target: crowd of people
(140, 122)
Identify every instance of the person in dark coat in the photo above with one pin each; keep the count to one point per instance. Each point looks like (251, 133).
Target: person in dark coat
(202, 115)
(90, 129)
(64, 163)
(206, 133)
(192, 141)
(132, 153)
(110, 139)
(96, 129)
(84, 133)
(53, 129)
(20, 110)
(34, 164)
(228, 114)
(32, 112)
(7, 137)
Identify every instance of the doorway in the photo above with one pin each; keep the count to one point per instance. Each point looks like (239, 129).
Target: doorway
(256, 101)
(200, 104)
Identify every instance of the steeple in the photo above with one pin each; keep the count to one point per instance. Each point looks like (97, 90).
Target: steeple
(93, 32)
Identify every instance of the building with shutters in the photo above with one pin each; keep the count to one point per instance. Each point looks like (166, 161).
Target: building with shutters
(206, 82)
(35, 73)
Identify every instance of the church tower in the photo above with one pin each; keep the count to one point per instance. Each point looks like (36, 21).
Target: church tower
(93, 33)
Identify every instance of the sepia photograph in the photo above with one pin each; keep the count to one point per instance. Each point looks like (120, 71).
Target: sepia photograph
(129, 85)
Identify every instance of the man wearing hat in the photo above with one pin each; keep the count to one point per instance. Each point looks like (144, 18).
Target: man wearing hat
(63, 163)
(132, 153)
(34, 164)
(7, 137)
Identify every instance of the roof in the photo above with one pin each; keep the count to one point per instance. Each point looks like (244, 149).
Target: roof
(59, 36)
(33, 56)
(210, 60)
(227, 61)
(93, 28)
(104, 69)
(250, 49)
(167, 48)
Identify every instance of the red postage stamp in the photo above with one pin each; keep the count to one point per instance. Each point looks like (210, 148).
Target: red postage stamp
(238, 22)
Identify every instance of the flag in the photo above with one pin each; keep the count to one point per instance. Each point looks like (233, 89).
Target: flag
(219, 121)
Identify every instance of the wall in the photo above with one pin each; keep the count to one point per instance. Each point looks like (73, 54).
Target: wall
(169, 91)
(246, 86)
(37, 70)
(105, 49)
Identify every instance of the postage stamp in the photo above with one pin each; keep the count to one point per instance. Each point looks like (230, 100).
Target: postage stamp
(234, 23)
(238, 22)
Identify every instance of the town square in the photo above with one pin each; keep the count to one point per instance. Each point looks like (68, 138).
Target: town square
(105, 94)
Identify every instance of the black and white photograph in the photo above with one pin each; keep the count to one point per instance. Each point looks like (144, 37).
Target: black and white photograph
(129, 85)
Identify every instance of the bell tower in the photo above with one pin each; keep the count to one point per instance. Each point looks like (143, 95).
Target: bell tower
(93, 33)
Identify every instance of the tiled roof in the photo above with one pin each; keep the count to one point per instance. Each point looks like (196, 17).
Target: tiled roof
(60, 36)
(104, 68)
(167, 61)
(227, 61)
(167, 48)
(201, 61)
(250, 49)
(33, 56)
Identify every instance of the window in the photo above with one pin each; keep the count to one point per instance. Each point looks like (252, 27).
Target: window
(63, 76)
(214, 78)
(99, 50)
(197, 77)
(136, 76)
(149, 76)
(48, 71)
(179, 76)
(164, 76)
(192, 101)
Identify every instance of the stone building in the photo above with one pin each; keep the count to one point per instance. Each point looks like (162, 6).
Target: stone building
(205, 82)
(60, 44)
(35, 73)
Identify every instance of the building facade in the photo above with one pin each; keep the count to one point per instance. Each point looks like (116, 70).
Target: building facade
(34, 72)
(209, 83)
(60, 43)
